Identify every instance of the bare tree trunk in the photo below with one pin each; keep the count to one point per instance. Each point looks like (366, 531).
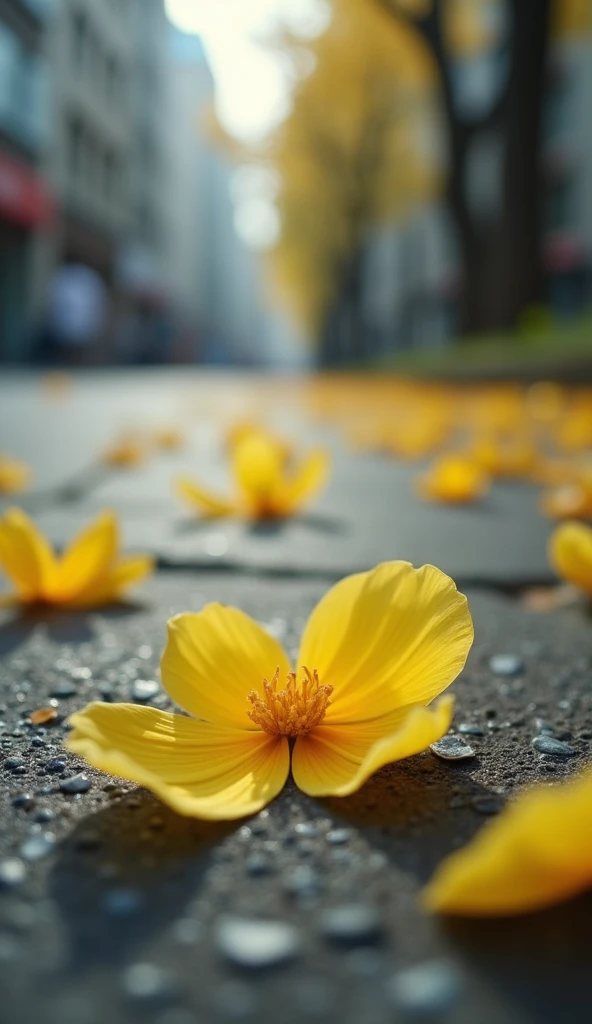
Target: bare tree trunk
(501, 256)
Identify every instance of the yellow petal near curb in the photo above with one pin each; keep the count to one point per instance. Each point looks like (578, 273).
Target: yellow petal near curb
(536, 853)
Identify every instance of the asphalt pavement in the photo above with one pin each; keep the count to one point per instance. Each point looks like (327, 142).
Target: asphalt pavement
(115, 909)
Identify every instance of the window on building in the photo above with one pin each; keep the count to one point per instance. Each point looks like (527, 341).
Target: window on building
(74, 143)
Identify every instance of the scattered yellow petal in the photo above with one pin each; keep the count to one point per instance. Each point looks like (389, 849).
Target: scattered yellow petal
(125, 453)
(14, 475)
(267, 486)
(453, 479)
(534, 854)
(88, 573)
(570, 554)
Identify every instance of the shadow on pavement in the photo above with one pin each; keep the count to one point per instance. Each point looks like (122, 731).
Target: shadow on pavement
(63, 625)
(125, 874)
(542, 961)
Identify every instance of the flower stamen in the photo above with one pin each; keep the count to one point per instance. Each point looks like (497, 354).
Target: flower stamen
(293, 711)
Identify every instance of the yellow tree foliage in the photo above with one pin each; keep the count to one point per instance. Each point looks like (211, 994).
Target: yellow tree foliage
(355, 151)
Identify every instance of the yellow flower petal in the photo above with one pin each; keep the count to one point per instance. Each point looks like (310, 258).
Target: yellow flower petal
(206, 502)
(335, 760)
(14, 475)
(570, 554)
(88, 558)
(534, 854)
(307, 482)
(124, 574)
(214, 658)
(387, 638)
(25, 555)
(198, 769)
(257, 464)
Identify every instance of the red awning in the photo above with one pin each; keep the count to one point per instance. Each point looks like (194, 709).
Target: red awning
(24, 198)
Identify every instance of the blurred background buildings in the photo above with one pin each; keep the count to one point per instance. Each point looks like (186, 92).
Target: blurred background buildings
(112, 166)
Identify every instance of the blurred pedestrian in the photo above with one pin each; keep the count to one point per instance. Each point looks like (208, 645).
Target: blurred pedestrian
(76, 314)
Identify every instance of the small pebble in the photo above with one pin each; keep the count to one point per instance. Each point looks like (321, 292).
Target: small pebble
(543, 727)
(121, 902)
(506, 665)
(12, 872)
(470, 729)
(56, 764)
(63, 689)
(36, 847)
(306, 828)
(256, 944)
(144, 689)
(76, 784)
(339, 836)
(43, 814)
(14, 762)
(23, 801)
(146, 982)
(257, 865)
(487, 804)
(427, 990)
(302, 883)
(353, 924)
(452, 748)
(549, 745)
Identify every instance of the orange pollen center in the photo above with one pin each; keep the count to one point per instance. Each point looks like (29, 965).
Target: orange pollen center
(294, 710)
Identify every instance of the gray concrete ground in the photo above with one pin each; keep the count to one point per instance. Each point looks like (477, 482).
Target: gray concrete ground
(115, 909)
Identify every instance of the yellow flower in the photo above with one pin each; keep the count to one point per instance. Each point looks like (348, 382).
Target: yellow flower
(512, 456)
(266, 487)
(453, 479)
(570, 554)
(14, 475)
(538, 852)
(168, 439)
(127, 451)
(377, 649)
(89, 572)
(572, 501)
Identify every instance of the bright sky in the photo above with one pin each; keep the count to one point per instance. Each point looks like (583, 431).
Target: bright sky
(251, 83)
(252, 87)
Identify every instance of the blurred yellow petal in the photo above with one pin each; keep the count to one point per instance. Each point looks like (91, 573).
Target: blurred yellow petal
(384, 639)
(573, 501)
(198, 769)
(536, 853)
(25, 555)
(204, 501)
(308, 481)
(570, 554)
(335, 760)
(88, 558)
(257, 465)
(14, 475)
(453, 479)
(125, 453)
(214, 658)
(125, 573)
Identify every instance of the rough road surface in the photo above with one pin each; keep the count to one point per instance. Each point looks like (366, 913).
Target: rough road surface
(113, 909)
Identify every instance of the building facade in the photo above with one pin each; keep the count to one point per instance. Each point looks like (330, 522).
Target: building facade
(26, 207)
